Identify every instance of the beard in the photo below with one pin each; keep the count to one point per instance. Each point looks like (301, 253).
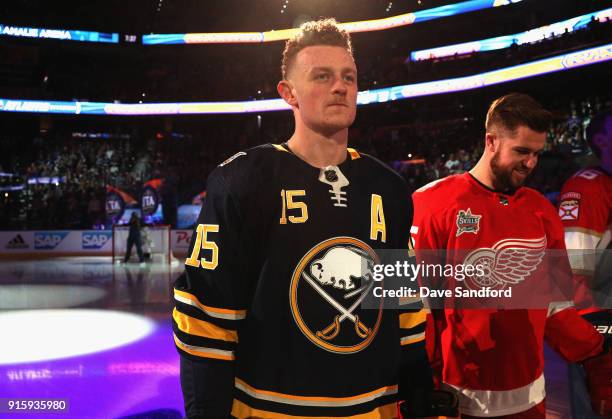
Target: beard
(503, 180)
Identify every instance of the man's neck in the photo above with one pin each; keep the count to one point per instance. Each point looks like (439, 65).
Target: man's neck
(482, 173)
(319, 150)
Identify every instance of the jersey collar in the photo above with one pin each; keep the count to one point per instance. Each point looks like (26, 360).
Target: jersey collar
(495, 191)
(351, 154)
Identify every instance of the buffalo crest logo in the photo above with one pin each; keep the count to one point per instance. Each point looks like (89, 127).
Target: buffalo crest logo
(327, 289)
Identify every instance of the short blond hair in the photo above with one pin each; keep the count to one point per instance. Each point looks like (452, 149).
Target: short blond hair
(315, 32)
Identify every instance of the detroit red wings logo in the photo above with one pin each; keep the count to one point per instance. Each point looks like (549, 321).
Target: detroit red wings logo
(507, 262)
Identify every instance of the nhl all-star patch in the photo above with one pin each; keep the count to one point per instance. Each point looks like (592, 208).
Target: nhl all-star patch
(467, 222)
(569, 209)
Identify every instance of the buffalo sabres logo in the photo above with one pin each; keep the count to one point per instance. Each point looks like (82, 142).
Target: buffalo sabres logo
(327, 288)
(507, 262)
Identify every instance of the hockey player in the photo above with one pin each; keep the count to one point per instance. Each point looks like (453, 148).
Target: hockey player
(585, 208)
(493, 357)
(268, 319)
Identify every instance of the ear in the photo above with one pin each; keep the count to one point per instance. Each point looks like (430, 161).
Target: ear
(491, 141)
(287, 92)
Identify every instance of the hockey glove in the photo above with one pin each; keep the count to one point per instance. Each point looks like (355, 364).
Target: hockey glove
(599, 382)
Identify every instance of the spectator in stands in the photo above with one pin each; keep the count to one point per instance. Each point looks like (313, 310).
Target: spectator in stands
(466, 163)
(452, 164)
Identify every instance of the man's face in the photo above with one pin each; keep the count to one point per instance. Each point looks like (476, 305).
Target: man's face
(325, 82)
(515, 156)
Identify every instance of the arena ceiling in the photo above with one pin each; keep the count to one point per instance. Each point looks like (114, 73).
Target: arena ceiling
(145, 16)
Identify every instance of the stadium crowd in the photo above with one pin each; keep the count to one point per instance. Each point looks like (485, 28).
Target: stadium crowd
(64, 179)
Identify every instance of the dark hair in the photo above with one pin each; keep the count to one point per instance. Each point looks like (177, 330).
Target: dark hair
(596, 126)
(316, 32)
(516, 109)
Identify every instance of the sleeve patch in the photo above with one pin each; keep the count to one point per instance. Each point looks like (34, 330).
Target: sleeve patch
(569, 208)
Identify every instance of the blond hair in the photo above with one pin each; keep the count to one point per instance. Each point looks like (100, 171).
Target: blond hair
(316, 32)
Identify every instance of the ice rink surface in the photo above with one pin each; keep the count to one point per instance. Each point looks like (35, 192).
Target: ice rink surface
(99, 336)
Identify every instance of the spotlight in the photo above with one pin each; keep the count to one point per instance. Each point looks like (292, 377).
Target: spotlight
(67, 333)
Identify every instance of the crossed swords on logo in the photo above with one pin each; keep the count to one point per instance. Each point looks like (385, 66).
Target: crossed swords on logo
(331, 331)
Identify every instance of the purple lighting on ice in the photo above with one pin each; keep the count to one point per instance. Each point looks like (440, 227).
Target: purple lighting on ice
(132, 380)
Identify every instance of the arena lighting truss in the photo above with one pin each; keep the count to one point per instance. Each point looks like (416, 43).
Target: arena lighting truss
(61, 34)
(361, 26)
(549, 65)
(500, 42)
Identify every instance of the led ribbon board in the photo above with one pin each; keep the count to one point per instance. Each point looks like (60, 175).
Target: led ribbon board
(61, 34)
(361, 26)
(549, 65)
(500, 42)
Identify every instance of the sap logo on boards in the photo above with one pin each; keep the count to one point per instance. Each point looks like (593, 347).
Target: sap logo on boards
(95, 240)
(49, 239)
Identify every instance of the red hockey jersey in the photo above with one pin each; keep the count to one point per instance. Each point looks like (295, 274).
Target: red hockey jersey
(585, 208)
(493, 358)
